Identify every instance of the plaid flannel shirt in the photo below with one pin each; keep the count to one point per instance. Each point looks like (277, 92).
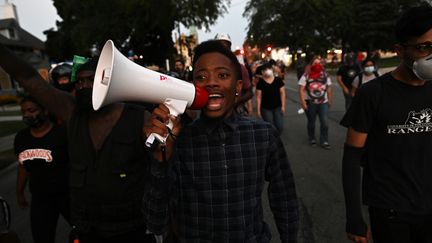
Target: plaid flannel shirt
(221, 169)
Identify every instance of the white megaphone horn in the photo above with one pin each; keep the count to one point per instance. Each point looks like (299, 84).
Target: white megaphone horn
(118, 79)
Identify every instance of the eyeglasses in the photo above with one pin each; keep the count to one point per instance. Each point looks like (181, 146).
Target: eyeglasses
(421, 47)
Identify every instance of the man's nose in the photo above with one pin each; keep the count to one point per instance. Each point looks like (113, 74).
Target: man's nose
(212, 81)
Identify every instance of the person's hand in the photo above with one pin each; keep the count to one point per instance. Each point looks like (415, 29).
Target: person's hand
(329, 104)
(304, 105)
(359, 238)
(346, 91)
(158, 124)
(258, 114)
(283, 110)
(22, 201)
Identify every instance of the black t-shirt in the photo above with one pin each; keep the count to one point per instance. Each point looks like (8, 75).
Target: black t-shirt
(348, 73)
(270, 97)
(398, 120)
(45, 158)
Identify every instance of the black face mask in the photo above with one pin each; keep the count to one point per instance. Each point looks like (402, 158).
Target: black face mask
(84, 98)
(65, 87)
(34, 122)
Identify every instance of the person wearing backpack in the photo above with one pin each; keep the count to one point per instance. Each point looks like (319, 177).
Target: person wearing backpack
(316, 98)
(369, 73)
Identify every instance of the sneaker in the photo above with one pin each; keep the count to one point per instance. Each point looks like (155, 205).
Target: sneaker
(326, 145)
(312, 143)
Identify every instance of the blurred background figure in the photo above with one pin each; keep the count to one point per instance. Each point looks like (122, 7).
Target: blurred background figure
(346, 74)
(300, 65)
(368, 73)
(60, 77)
(316, 98)
(270, 97)
(180, 70)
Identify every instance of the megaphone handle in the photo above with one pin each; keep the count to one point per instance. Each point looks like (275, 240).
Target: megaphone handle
(151, 138)
(176, 107)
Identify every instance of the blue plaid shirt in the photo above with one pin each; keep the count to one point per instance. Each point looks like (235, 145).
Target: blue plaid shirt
(221, 169)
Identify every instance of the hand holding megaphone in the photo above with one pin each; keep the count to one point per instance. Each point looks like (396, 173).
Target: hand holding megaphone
(176, 107)
(118, 79)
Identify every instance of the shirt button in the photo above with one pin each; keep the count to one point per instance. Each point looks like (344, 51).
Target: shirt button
(226, 166)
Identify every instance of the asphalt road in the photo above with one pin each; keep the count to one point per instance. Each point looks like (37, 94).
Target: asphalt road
(317, 173)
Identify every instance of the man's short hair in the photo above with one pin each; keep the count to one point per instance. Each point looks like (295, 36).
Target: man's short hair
(215, 46)
(413, 23)
(90, 65)
(180, 60)
(28, 98)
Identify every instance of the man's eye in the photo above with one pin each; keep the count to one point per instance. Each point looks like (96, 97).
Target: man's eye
(223, 75)
(424, 47)
(200, 78)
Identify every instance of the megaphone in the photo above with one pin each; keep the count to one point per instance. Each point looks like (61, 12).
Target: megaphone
(118, 79)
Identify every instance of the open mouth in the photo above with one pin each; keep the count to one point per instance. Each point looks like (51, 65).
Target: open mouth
(215, 101)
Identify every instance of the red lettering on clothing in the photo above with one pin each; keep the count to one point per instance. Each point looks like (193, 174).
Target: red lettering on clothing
(31, 154)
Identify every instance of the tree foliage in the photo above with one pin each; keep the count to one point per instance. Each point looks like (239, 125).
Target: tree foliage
(145, 26)
(319, 25)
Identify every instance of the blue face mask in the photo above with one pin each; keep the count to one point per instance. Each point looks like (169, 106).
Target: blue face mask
(369, 69)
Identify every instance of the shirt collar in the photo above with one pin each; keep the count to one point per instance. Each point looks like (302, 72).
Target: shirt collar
(211, 125)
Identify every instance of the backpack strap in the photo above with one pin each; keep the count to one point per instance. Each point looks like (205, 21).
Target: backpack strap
(360, 77)
(376, 73)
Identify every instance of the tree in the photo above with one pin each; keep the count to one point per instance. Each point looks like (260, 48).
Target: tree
(319, 25)
(144, 26)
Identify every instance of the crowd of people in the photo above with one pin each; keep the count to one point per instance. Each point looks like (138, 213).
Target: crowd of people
(205, 182)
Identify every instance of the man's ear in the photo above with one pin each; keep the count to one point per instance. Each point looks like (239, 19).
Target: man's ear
(398, 48)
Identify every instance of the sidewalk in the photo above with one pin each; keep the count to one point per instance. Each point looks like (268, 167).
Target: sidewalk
(6, 142)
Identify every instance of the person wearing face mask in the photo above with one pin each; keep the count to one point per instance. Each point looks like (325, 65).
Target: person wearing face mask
(111, 170)
(222, 160)
(316, 97)
(60, 76)
(270, 97)
(369, 73)
(390, 135)
(43, 161)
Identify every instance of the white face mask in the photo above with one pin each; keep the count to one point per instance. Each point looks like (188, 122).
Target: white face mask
(422, 68)
(369, 69)
(268, 72)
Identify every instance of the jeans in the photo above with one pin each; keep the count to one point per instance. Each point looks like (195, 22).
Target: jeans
(44, 214)
(311, 113)
(348, 99)
(274, 116)
(396, 227)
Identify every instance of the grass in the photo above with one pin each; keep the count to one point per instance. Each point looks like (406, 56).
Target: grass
(10, 113)
(389, 62)
(6, 158)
